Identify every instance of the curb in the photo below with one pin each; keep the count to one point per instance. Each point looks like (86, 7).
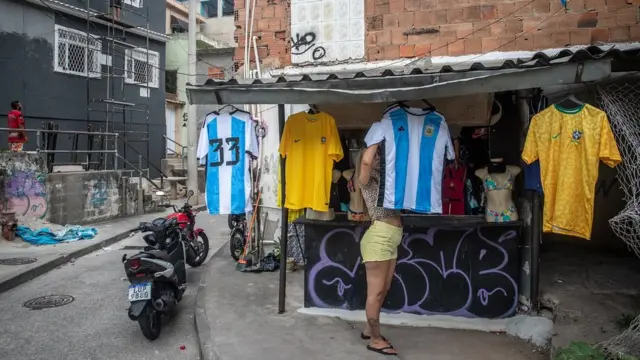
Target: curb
(47, 266)
(204, 339)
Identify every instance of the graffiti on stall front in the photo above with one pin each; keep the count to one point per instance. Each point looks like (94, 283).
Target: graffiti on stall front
(25, 193)
(302, 44)
(435, 274)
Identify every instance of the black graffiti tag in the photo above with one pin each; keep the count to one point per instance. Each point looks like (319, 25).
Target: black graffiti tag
(306, 42)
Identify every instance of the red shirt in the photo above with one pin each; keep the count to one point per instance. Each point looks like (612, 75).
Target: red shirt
(16, 121)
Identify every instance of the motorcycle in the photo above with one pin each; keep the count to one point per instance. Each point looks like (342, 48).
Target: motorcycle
(197, 240)
(157, 275)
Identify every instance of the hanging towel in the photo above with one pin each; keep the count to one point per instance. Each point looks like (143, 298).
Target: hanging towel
(45, 236)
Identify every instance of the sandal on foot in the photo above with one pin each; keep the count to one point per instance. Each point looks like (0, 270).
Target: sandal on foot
(382, 351)
(368, 337)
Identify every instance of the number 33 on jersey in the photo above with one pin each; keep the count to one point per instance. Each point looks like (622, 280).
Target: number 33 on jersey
(225, 140)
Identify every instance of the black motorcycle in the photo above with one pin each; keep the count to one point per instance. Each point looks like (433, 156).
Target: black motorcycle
(157, 275)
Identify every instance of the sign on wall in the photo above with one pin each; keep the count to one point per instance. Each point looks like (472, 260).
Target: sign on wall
(329, 30)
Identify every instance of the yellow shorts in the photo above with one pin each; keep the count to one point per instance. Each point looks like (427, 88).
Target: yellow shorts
(380, 242)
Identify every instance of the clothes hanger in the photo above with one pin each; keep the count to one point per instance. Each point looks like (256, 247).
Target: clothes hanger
(570, 102)
(400, 104)
(429, 106)
(313, 109)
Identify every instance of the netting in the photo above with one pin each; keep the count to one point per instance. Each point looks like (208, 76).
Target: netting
(622, 105)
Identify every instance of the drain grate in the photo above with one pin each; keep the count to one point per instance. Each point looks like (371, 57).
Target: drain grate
(18, 261)
(50, 301)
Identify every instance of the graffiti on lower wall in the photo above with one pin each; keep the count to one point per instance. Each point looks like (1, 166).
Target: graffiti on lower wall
(25, 193)
(468, 273)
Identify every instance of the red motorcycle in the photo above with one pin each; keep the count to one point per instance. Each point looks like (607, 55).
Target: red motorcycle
(196, 238)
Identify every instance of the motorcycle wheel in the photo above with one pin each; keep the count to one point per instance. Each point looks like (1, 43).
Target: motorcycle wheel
(231, 221)
(236, 243)
(150, 322)
(202, 250)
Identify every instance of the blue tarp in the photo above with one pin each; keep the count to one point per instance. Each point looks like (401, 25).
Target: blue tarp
(45, 236)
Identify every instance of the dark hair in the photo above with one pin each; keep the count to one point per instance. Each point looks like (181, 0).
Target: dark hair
(14, 105)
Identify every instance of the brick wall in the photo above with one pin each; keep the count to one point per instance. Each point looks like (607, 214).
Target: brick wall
(272, 26)
(408, 28)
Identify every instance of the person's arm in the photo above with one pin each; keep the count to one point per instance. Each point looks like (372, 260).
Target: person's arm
(367, 164)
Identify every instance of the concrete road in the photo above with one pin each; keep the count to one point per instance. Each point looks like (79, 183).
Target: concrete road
(95, 325)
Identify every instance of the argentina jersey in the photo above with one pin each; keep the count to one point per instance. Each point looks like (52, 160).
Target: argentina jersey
(225, 139)
(413, 149)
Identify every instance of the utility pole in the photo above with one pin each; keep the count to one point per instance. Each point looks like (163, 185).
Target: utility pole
(192, 122)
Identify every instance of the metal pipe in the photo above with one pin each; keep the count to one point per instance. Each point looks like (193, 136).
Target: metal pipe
(192, 122)
(61, 131)
(78, 151)
(536, 239)
(115, 158)
(284, 223)
(255, 51)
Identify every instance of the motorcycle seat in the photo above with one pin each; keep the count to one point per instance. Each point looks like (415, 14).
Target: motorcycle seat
(159, 254)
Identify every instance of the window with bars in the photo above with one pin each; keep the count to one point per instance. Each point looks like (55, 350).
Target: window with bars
(138, 70)
(76, 52)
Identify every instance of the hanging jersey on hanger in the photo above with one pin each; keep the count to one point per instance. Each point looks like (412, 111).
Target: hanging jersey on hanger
(414, 148)
(225, 140)
(453, 190)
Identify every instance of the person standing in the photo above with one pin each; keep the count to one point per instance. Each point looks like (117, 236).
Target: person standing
(116, 5)
(17, 138)
(379, 249)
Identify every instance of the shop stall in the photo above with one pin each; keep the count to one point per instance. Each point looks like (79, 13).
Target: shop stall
(468, 253)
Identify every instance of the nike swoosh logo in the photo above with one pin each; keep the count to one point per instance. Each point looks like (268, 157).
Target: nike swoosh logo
(555, 136)
(297, 140)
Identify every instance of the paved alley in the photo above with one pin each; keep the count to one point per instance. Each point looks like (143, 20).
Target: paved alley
(95, 325)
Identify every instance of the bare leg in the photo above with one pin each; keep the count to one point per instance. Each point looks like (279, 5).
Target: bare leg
(376, 282)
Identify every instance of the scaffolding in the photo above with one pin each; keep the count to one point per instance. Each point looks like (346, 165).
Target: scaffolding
(111, 104)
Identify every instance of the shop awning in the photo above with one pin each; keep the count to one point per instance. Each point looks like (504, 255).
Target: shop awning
(387, 85)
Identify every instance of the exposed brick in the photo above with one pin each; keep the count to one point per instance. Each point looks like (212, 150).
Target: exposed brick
(455, 16)
(488, 12)
(449, 32)
(439, 48)
(422, 38)
(580, 37)
(407, 51)
(369, 7)
(542, 41)
(455, 48)
(396, 6)
(588, 20)
(428, 4)
(381, 9)
(464, 30)
(576, 5)
(383, 38)
(561, 38)
(412, 5)
(514, 26)
(239, 53)
(489, 44)
(541, 7)
(473, 13)
(612, 5)
(267, 11)
(620, 33)
(595, 5)
(374, 23)
(481, 29)
(405, 20)
(425, 18)
(390, 21)
(238, 4)
(634, 32)
(391, 52)
(505, 10)
(381, 2)
(627, 16)
(607, 20)
(280, 12)
(523, 8)
(498, 28)
(473, 46)
(397, 37)
(524, 42)
(262, 24)
(375, 53)
(423, 50)
(599, 35)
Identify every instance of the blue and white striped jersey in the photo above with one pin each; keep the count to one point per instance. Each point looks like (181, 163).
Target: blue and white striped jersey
(225, 140)
(414, 145)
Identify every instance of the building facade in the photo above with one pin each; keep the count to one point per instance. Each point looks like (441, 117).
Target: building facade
(70, 64)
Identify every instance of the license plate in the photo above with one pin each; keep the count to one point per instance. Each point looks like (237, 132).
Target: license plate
(140, 292)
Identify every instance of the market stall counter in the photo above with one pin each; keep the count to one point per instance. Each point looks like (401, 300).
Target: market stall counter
(447, 265)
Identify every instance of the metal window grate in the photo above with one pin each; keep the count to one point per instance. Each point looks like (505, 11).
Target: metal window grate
(76, 53)
(138, 71)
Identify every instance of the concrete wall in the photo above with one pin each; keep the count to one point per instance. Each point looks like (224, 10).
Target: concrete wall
(220, 29)
(24, 183)
(216, 58)
(27, 34)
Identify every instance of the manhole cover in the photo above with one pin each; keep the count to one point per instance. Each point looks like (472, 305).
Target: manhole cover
(49, 301)
(18, 261)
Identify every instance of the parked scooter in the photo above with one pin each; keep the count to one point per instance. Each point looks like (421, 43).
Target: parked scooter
(157, 275)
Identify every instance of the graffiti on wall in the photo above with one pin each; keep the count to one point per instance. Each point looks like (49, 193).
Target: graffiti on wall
(467, 272)
(25, 193)
(97, 193)
(323, 31)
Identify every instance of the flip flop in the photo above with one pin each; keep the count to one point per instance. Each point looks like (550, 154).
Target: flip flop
(382, 351)
(368, 337)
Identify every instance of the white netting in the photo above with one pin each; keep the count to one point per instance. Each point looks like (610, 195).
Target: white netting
(621, 101)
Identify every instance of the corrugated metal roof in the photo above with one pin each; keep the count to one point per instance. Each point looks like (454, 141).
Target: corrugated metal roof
(621, 60)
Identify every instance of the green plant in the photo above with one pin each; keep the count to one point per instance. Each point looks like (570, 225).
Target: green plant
(579, 351)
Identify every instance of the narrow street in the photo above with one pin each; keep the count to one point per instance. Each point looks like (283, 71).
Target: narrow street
(95, 324)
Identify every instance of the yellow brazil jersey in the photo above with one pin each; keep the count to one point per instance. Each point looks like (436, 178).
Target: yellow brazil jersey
(311, 144)
(569, 144)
